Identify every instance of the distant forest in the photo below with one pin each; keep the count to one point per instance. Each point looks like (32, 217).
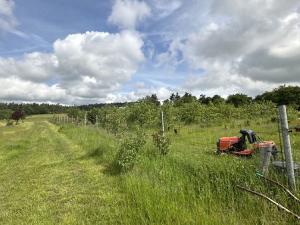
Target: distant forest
(289, 95)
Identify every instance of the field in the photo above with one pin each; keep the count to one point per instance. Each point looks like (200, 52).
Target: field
(63, 174)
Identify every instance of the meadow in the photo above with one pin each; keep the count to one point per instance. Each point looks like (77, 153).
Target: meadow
(64, 174)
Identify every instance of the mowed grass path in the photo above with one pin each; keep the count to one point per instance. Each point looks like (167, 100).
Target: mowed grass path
(46, 179)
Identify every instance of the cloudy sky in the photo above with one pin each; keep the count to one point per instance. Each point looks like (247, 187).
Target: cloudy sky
(78, 52)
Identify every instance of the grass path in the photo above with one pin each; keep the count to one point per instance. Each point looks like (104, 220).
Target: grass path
(45, 179)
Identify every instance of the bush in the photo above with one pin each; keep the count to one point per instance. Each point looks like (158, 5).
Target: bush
(128, 152)
(162, 143)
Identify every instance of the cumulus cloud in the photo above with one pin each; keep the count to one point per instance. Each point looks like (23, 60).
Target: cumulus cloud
(7, 19)
(227, 45)
(246, 47)
(127, 14)
(84, 67)
(16, 89)
(95, 63)
(36, 67)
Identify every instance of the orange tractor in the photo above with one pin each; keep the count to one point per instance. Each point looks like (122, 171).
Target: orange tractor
(238, 145)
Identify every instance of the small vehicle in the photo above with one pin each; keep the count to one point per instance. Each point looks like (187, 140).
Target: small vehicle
(238, 145)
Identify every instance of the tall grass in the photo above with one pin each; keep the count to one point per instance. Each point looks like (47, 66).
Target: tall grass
(191, 185)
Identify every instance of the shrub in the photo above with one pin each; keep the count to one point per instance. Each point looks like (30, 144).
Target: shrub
(128, 152)
(5, 114)
(162, 143)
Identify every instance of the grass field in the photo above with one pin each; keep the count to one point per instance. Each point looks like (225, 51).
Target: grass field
(62, 175)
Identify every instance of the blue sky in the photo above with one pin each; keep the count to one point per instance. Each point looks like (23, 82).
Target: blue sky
(78, 52)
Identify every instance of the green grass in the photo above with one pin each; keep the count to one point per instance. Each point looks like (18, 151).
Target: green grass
(47, 179)
(63, 175)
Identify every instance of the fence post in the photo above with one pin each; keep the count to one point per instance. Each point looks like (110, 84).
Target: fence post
(265, 150)
(85, 119)
(162, 119)
(287, 147)
(96, 121)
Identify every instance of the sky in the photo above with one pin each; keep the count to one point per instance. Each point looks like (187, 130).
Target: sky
(102, 51)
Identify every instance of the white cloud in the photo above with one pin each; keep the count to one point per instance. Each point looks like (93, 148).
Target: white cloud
(15, 89)
(7, 19)
(35, 67)
(245, 47)
(104, 60)
(85, 67)
(127, 14)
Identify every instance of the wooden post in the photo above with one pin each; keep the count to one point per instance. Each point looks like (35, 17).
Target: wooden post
(97, 121)
(85, 121)
(287, 147)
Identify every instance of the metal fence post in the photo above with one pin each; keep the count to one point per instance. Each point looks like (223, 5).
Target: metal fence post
(287, 147)
(265, 157)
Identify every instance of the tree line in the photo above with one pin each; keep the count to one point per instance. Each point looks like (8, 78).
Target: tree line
(289, 95)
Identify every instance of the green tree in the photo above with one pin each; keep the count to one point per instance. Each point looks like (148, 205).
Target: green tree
(204, 100)
(152, 99)
(287, 95)
(239, 99)
(217, 99)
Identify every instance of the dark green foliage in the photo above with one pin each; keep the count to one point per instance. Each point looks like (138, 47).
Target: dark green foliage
(288, 95)
(239, 99)
(34, 108)
(5, 114)
(188, 98)
(174, 98)
(151, 99)
(92, 116)
(162, 143)
(75, 113)
(205, 100)
(216, 99)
